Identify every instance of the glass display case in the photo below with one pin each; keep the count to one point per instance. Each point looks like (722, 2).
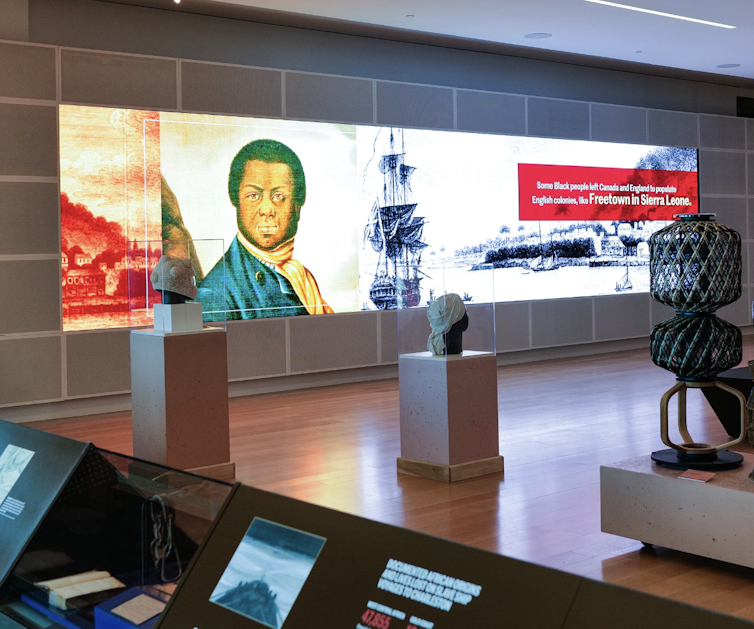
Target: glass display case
(417, 288)
(163, 284)
(112, 546)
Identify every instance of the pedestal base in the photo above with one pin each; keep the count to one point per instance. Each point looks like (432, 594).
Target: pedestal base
(643, 501)
(723, 460)
(451, 473)
(178, 317)
(448, 408)
(179, 398)
(220, 471)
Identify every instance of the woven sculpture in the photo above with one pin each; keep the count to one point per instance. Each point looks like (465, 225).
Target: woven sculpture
(696, 346)
(695, 268)
(695, 264)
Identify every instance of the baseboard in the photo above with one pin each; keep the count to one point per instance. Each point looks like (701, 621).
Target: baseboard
(122, 402)
(67, 408)
(312, 380)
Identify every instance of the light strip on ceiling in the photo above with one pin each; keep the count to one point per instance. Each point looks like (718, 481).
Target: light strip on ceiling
(673, 15)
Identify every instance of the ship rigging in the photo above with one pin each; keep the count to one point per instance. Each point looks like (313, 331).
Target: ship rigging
(396, 234)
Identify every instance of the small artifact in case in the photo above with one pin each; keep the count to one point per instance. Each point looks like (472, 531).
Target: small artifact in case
(80, 590)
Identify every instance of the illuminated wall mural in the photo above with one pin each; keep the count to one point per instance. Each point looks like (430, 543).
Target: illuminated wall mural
(317, 218)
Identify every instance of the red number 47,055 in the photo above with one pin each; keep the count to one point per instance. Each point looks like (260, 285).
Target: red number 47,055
(375, 619)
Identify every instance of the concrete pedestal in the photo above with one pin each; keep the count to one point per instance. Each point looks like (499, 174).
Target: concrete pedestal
(643, 501)
(179, 396)
(448, 409)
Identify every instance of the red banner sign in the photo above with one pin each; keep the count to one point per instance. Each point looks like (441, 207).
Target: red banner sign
(581, 193)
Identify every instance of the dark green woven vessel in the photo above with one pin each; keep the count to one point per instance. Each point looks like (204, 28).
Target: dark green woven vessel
(695, 264)
(696, 347)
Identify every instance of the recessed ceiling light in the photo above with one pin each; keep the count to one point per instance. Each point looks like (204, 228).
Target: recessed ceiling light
(729, 65)
(538, 35)
(673, 15)
(410, 16)
(177, 1)
(638, 52)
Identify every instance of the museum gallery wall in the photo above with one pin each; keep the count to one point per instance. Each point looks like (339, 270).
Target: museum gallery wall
(257, 73)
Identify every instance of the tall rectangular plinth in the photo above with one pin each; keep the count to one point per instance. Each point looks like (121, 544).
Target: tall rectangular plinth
(643, 501)
(448, 410)
(179, 397)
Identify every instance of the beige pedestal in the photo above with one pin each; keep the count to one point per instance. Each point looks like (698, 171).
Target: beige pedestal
(448, 409)
(179, 395)
(643, 501)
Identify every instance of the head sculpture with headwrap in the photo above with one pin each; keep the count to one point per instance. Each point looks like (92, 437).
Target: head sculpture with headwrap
(443, 313)
(174, 275)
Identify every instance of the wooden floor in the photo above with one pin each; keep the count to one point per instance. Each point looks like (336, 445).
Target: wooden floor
(559, 421)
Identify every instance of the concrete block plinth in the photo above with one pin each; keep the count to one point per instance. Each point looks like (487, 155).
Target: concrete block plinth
(643, 501)
(448, 412)
(179, 394)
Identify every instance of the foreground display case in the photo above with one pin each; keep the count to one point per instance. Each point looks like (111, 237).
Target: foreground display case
(272, 561)
(98, 539)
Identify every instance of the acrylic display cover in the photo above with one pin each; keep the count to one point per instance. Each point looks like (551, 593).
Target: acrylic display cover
(34, 468)
(314, 217)
(110, 546)
(417, 289)
(163, 278)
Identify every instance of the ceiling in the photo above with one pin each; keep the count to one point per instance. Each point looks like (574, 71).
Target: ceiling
(576, 26)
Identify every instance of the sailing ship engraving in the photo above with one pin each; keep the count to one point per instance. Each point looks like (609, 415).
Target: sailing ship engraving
(396, 234)
(625, 282)
(546, 260)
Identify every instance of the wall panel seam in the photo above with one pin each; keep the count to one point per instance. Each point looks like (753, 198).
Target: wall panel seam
(179, 85)
(429, 85)
(87, 396)
(262, 377)
(591, 131)
(455, 109)
(699, 133)
(38, 102)
(31, 402)
(717, 149)
(63, 366)
(118, 106)
(379, 337)
(287, 346)
(15, 257)
(26, 43)
(58, 74)
(117, 53)
(27, 179)
(238, 65)
(327, 369)
(15, 336)
(531, 328)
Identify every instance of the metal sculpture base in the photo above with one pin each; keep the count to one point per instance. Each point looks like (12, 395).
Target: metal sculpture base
(691, 450)
(723, 460)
